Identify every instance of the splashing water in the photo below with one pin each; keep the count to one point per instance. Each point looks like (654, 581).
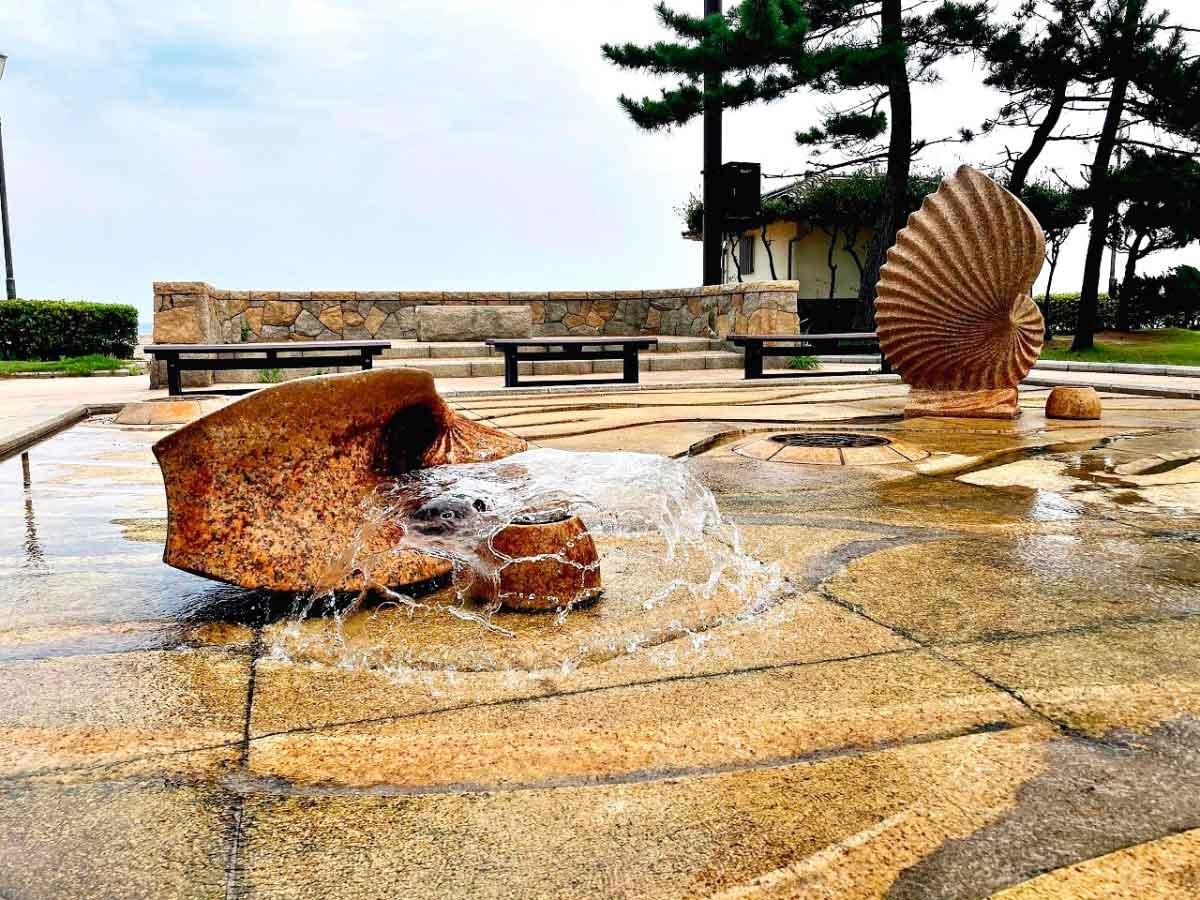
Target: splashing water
(670, 566)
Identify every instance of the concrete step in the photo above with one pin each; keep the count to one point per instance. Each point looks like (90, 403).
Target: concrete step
(478, 350)
(481, 367)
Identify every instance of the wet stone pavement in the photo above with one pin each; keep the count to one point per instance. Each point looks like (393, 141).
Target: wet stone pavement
(976, 676)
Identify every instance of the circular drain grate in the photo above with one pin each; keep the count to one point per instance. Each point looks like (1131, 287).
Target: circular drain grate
(831, 448)
(829, 439)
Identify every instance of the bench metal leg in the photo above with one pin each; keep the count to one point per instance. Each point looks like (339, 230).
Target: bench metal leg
(367, 360)
(174, 381)
(510, 368)
(885, 367)
(630, 365)
(753, 360)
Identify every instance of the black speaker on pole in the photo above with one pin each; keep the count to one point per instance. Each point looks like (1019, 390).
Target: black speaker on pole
(741, 189)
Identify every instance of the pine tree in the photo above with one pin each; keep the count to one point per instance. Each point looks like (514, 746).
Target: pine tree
(868, 52)
(1141, 76)
(1059, 210)
(1066, 63)
(1034, 62)
(1158, 208)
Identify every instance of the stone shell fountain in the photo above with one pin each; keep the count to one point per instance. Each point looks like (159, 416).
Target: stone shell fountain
(954, 312)
(266, 492)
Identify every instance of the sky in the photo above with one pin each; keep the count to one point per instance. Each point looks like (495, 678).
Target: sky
(374, 145)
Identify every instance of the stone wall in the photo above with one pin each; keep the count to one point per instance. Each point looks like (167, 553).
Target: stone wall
(193, 312)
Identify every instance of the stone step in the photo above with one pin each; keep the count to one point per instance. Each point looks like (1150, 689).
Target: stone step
(481, 367)
(408, 349)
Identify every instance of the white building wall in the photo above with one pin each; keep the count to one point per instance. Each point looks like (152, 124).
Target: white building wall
(810, 260)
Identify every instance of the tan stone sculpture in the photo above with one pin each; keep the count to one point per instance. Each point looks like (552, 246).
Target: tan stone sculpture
(261, 492)
(954, 312)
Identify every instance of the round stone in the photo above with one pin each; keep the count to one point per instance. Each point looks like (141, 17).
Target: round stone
(1073, 403)
(554, 564)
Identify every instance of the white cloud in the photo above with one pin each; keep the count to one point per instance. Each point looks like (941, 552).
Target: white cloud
(373, 145)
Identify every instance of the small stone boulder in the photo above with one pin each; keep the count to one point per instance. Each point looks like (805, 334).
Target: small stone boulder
(473, 323)
(1073, 403)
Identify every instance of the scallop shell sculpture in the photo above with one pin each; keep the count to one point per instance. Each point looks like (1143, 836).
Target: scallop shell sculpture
(954, 312)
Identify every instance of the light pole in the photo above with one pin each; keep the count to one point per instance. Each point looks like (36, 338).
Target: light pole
(10, 283)
(713, 213)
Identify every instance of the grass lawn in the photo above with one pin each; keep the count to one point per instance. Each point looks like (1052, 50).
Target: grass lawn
(72, 365)
(1164, 347)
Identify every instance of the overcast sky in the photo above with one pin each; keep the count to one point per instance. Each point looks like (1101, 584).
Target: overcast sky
(370, 145)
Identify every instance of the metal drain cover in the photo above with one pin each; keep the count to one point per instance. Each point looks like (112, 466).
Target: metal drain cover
(831, 448)
(829, 439)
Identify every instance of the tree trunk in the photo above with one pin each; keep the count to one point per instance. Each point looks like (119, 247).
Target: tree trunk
(1023, 165)
(1048, 304)
(830, 263)
(1101, 194)
(895, 196)
(770, 255)
(1123, 298)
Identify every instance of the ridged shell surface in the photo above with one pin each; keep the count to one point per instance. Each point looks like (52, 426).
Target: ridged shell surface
(953, 309)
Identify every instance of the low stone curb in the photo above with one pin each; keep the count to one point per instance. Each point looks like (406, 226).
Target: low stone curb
(1166, 393)
(107, 373)
(671, 386)
(1053, 365)
(15, 442)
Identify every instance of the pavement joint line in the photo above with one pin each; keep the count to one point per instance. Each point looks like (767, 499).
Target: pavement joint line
(16, 779)
(932, 650)
(639, 776)
(582, 691)
(232, 889)
(233, 857)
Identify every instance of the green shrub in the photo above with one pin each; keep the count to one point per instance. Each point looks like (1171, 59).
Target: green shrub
(270, 376)
(72, 365)
(52, 329)
(1170, 300)
(1064, 312)
(803, 362)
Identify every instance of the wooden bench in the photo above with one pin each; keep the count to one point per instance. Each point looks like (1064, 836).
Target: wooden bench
(182, 357)
(803, 345)
(551, 349)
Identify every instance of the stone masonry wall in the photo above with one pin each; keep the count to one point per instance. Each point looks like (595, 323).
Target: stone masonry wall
(193, 312)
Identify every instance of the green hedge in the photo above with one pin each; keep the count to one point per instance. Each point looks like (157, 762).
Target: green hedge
(1064, 312)
(52, 329)
(1169, 300)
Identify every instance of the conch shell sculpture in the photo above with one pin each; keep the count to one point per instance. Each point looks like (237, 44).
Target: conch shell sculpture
(265, 492)
(954, 312)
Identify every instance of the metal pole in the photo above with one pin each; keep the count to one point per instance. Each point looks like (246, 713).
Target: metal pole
(10, 283)
(712, 170)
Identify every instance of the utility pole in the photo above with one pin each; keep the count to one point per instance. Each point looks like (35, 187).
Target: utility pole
(713, 213)
(10, 283)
